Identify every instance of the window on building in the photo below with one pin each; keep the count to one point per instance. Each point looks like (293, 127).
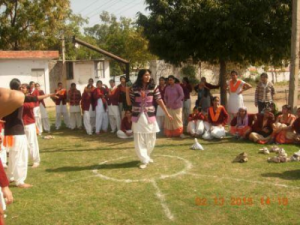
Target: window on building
(69, 70)
(99, 69)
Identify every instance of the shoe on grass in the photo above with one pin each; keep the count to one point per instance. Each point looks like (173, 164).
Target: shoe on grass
(143, 166)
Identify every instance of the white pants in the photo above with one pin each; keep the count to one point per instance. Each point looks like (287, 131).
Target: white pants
(105, 121)
(32, 143)
(122, 135)
(160, 117)
(144, 144)
(186, 111)
(213, 131)
(114, 117)
(75, 117)
(38, 119)
(44, 118)
(195, 127)
(62, 110)
(18, 159)
(3, 155)
(88, 120)
(99, 115)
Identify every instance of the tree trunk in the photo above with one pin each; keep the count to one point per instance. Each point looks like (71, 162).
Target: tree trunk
(294, 69)
(222, 82)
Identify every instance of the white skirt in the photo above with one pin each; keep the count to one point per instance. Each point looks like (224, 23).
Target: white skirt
(143, 126)
(235, 102)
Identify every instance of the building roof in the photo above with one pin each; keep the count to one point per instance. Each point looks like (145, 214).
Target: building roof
(29, 55)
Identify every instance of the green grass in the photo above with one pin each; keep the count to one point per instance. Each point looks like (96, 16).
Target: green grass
(66, 191)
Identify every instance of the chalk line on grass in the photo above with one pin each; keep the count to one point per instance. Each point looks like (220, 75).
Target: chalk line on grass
(162, 199)
(245, 180)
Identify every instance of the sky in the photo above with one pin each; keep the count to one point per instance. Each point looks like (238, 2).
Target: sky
(93, 8)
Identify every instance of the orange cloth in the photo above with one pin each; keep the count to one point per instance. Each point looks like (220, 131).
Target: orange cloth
(234, 87)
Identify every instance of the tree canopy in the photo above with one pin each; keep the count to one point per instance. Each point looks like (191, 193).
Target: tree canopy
(120, 37)
(219, 31)
(36, 24)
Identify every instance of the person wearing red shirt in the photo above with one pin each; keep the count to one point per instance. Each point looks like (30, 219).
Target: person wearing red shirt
(61, 107)
(74, 97)
(37, 112)
(196, 123)
(87, 106)
(126, 130)
(30, 128)
(217, 119)
(100, 107)
(113, 107)
(44, 114)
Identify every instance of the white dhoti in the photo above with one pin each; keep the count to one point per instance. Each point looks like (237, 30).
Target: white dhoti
(105, 121)
(160, 117)
(38, 119)
(3, 154)
(18, 159)
(123, 135)
(195, 127)
(99, 115)
(62, 110)
(144, 138)
(75, 117)
(114, 117)
(44, 118)
(32, 143)
(213, 131)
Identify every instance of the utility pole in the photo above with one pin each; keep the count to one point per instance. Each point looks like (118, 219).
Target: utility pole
(63, 52)
(294, 70)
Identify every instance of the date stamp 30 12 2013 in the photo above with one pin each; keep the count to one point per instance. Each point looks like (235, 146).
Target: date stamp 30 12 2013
(241, 201)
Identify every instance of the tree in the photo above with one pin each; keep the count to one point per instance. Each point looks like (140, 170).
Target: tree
(219, 31)
(35, 24)
(122, 38)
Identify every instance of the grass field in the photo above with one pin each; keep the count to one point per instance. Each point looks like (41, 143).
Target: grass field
(95, 180)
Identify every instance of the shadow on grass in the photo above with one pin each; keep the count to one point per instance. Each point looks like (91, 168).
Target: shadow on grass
(51, 150)
(111, 166)
(287, 175)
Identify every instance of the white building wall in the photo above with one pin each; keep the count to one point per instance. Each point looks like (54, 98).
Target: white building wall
(83, 71)
(22, 69)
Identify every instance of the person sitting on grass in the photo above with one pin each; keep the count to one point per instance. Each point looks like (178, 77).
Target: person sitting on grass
(126, 130)
(262, 127)
(217, 119)
(290, 134)
(280, 127)
(240, 126)
(196, 123)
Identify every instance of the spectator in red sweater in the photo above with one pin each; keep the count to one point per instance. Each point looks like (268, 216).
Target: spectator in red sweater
(113, 107)
(74, 97)
(216, 121)
(30, 128)
(61, 107)
(36, 111)
(196, 123)
(44, 113)
(126, 131)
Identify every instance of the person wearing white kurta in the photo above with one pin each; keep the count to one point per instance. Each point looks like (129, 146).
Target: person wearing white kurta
(61, 107)
(101, 114)
(144, 125)
(196, 124)
(113, 107)
(36, 110)
(74, 97)
(236, 88)
(44, 115)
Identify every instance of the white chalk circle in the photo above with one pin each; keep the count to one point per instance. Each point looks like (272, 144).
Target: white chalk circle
(186, 164)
